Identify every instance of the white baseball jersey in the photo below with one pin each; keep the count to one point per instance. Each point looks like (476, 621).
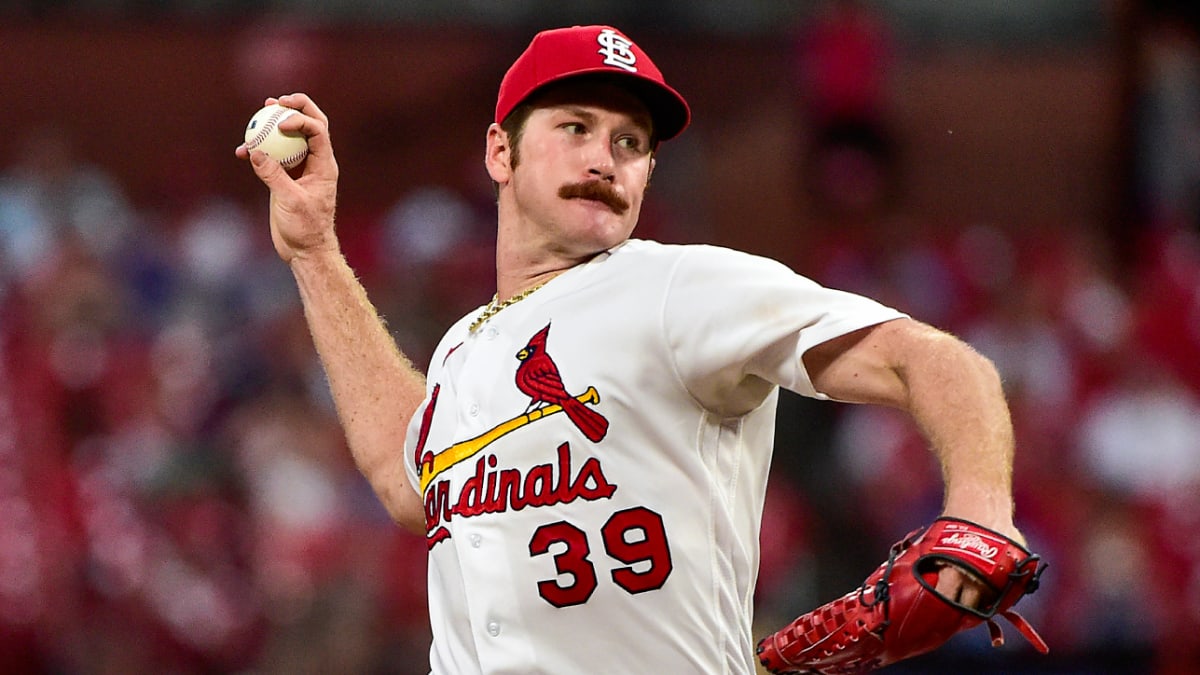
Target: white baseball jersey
(623, 537)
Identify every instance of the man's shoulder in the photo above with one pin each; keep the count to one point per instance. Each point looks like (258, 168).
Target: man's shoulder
(648, 248)
(701, 255)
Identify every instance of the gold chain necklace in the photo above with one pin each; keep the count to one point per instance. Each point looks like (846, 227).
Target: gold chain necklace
(493, 307)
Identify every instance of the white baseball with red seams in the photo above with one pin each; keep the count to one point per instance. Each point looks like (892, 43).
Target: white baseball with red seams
(262, 133)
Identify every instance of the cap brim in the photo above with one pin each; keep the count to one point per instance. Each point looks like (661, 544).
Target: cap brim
(667, 107)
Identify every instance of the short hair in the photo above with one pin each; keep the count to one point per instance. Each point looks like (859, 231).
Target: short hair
(514, 127)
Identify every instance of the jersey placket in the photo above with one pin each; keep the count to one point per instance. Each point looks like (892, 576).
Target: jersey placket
(480, 542)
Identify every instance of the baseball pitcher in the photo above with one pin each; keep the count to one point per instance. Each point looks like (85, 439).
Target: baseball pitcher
(587, 453)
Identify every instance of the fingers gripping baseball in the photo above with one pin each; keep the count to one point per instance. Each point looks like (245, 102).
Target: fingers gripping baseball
(303, 201)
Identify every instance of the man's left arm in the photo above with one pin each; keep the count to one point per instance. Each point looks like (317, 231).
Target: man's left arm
(944, 578)
(953, 394)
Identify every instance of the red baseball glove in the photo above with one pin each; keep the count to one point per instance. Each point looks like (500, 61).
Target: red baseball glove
(897, 613)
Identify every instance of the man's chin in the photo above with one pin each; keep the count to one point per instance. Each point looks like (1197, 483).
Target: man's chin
(596, 240)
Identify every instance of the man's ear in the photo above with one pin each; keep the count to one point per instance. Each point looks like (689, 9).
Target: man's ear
(498, 158)
(650, 171)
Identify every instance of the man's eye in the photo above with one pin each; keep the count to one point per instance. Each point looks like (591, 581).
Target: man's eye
(574, 128)
(629, 143)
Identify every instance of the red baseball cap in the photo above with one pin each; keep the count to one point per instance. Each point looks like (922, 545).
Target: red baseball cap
(561, 53)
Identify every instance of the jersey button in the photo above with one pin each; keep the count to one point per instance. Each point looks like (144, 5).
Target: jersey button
(473, 410)
(493, 628)
(476, 540)
(491, 333)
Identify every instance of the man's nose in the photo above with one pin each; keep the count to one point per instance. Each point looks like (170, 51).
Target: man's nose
(600, 160)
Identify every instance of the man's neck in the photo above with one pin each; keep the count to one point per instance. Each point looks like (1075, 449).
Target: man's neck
(523, 261)
(518, 273)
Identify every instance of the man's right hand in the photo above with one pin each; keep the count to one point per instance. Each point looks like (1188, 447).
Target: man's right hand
(302, 203)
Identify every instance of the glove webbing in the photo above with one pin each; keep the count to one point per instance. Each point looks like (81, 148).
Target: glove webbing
(823, 627)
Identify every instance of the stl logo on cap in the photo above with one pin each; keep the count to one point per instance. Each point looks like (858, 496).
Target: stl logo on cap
(617, 50)
(557, 54)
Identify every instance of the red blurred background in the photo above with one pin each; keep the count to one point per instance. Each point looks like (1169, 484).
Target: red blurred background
(174, 491)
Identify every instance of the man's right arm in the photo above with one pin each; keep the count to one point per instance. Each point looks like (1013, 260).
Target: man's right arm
(375, 388)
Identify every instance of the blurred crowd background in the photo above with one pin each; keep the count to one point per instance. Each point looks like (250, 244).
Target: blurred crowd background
(175, 494)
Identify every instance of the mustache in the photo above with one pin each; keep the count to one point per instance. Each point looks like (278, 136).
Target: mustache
(596, 190)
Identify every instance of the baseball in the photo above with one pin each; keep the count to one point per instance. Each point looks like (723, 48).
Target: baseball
(262, 133)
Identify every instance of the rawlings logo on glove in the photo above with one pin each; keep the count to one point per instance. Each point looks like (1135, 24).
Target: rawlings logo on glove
(897, 613)
(970, 542)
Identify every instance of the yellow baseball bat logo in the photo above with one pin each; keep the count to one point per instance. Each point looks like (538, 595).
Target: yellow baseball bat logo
(472, 446)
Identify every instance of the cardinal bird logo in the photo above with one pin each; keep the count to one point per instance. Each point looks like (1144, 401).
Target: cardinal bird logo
(495, 488)
(538, 378)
